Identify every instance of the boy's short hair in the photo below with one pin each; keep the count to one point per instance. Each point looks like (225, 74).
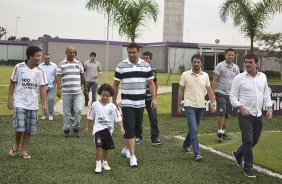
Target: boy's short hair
(106, 87)
(148, 53)
(133, 45)
(196, 56)
(252, 56)
(93, 54)
(31, 50)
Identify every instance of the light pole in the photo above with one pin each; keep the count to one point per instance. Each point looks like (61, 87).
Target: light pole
(17, 26)
(217, 41)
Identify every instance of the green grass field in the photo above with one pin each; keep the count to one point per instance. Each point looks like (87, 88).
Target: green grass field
(56, 159)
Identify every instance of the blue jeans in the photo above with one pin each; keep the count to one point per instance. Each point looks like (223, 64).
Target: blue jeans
(50, 98)
(75, 101)
(94, 87)
(250, 127)
(194, 116)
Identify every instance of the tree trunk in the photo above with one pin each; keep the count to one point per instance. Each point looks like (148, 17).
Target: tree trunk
(252, 44)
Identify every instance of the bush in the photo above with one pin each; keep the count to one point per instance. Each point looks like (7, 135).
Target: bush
(181, 68)
(272, 74)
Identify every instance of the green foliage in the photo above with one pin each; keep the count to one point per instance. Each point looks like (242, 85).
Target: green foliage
(181, 68)
(12, 38)
(272, 74)
(251, 17)
(3, 31)
(25, 38)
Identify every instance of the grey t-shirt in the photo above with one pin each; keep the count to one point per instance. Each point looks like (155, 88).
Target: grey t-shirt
(92, 68)
(226, 75)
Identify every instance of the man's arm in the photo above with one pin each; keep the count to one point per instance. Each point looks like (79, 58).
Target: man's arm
(152, 89)
(179, 99)
(83, 82)
(59, 85)
(11, 91)
(43, 94)
(214, 82)
(115, 87)
(211, 97)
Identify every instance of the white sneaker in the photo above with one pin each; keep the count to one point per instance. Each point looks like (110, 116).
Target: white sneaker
(106, 166)
(51, 118)
(98, 166)
(125, 153)
(133, 161)
(43, 117)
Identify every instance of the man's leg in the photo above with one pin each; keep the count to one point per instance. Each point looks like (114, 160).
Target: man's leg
(77, 104)
(138, 115)
(152, 113)
(67, 105)
(88, 86)
(94, 91)
(50, 98)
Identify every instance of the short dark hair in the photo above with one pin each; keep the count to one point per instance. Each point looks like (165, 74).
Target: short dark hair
(31, 50)
(196, 56)
(148, 53)
(252, 56)
(106, 87)
(133, 45)
(47, 54)
(229, 50)
(93, 54)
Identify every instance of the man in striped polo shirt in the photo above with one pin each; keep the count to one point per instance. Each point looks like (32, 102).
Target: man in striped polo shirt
(133, 73)
(70, 75)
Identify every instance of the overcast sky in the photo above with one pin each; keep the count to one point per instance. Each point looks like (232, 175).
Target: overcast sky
(70, 19)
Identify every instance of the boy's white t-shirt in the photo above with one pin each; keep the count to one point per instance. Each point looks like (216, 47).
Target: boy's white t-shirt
(105, 116)
(28, 82)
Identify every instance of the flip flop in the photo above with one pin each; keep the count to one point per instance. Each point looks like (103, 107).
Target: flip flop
(26, 156)
(13, 152)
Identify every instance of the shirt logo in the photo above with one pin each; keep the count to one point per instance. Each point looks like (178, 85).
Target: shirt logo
(110, 112)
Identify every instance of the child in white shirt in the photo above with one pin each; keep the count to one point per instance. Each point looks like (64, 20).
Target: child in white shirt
(105, 114)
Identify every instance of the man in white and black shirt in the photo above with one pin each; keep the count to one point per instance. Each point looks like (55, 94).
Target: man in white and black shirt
(133, 73)
(70, 76)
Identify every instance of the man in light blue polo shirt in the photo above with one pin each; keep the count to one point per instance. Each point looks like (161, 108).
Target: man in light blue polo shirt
(50, 70)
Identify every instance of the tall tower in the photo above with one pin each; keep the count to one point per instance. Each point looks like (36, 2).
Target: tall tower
(173, 20)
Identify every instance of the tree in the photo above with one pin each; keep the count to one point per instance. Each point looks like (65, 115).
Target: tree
(133, 15)
(249, 16)
(44, 36)
(25, 38)
(2, 32)
(12, 38)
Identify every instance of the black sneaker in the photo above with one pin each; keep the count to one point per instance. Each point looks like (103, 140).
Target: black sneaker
(219, 137)
(156, 142)
(66, 133)
(76, 132)
(239, 161)
(249, 173)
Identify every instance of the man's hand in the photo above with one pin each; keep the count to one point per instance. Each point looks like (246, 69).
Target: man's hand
(154, 103)
(122, 131)
(179, 109)
(244, 111)
(269, 114)
(85, 92)
(45, 108)
(85, 131)
(59, 93)
(10, 104)
(212, 109)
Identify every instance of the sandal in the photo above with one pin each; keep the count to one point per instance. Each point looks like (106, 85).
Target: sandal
(13, 152)
(26, 156)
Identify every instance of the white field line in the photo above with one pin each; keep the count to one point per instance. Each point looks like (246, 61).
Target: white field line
(258, 168)
(271, 131)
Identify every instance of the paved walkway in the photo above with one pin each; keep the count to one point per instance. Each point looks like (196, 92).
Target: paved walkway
(59, 105)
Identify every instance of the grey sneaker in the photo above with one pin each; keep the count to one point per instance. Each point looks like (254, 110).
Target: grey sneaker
(187, 150)
(76, 132)
(43, 117)
(137, 141)
(199, 157)
(239, 161)
(250, 173)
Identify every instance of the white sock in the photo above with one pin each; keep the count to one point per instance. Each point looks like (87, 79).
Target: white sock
(105, 161)
(223, 131)
(219, 131)
(98, 161)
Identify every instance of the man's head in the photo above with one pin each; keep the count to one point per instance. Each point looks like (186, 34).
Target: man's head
(196, 61)
(133, 52)
(33, 53)
(229, 55)
(250, 62)
(147, 56)
(92, 56)
(70, 52)
(47, 58)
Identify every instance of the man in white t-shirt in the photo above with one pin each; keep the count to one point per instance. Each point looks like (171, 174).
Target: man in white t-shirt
(26, 82)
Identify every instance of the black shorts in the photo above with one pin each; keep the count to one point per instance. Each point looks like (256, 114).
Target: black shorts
(131, 117)
(223, 105)
(103, 139)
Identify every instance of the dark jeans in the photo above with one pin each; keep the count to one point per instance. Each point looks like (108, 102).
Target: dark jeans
(251, 127)
(94, 87)
(152, 114)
